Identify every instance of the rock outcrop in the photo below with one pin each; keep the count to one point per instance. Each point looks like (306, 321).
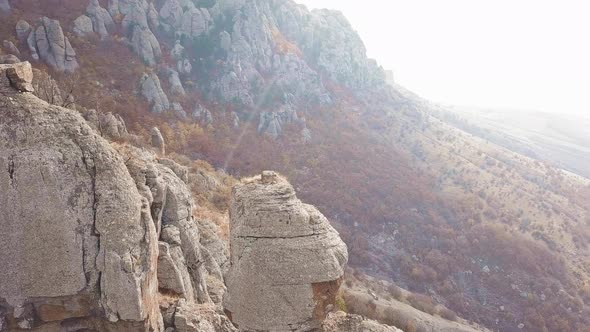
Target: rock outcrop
(83, 26)
(48, 43)
(78, 249)
(10, 47)
(91, 233)
(150, 89)
(4, 7)
(23, 28)
(102, 22)
(286, 259)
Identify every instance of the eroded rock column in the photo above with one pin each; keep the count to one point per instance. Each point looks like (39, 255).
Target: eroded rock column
(286, 259)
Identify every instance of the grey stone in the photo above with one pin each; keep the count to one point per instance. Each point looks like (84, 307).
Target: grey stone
(145, 44)
(23, 28)
(112, 126)
(235, 120)
(175, 84)
(83, 25)
(4, 7)
(102, 22)
(150, 89)
(157, 141)
(184, 66)
(55, 226)
(178, 51)
(9, 59)
(53, 47)
(306, 135)
(32, 44)
(20, 75)
(10, 47)
(200, 318)
(285, 257)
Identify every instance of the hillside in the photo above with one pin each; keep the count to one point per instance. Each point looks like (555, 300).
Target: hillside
(558, 139)
(499, 238)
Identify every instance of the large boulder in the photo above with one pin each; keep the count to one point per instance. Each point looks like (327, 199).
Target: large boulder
(10, 47)
(83, 26)
(146, 45)
(150, 89)
(102, 22)
(4, 7)
(49, 44)
(77, 246)
(286, 260)
(23, 28)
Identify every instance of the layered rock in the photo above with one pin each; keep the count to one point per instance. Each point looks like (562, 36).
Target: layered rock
(101, 19)
(77, 248)
(286, 259)
(150, 89)
(48, 43)
(107, 227)
(4, 7)
(10, 47)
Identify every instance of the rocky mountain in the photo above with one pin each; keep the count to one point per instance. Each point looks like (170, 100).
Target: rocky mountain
(465, 227)
(102, 236)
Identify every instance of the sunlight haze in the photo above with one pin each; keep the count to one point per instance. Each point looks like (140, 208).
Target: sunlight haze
(532, 55)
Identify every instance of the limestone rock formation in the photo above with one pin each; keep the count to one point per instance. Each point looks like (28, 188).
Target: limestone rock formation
(92, 232)
(10, 47)
(145, 44)
(340, 321)
(19, 76)
(286, 259)
(8, 59)
(4, 7)
(102, 21)
(150, 89)
(49, 44)
(23, 28)
(76, 246)
(83, 26)
(272, 123)
(157, 141)
(200, 113)
(175, 84)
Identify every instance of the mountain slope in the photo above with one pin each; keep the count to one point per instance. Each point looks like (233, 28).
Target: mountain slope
(252, 85)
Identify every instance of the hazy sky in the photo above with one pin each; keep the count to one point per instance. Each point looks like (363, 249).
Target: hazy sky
(529, 54)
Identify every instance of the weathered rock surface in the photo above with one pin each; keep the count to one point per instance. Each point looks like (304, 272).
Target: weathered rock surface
(83, 26)
(9, 59)
(340, 321)
(102, 22)
(23, 28)
(157, 141)
(286, 259)
(175, 84)
(46, 88)
(71, 214)
(200, 318)
(200, 113)
(106, 228)
(150, 89)
(49, 44)
(19, 75)
(4, 7)
(10, 47)
(145, 44)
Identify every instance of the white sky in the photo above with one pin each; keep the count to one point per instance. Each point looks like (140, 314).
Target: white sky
(522, 54)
